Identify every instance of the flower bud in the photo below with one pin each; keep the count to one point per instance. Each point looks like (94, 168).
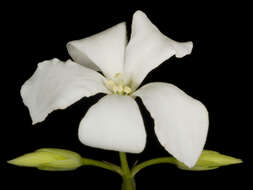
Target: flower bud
(210, 160)
(50, 159)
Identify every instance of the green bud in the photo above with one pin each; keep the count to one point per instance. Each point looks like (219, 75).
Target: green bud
(50, 159)
(210, 160)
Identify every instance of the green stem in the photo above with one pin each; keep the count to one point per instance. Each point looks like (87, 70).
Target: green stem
(124, 164)
(127, 174)
(108, 166)
(128, 180)
(128, 184)
(145, 164)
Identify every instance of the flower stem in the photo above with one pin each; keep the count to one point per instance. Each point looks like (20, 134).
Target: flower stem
(128, 180)
(151, 162)
(124, 164)
(105, 165)
(127, 175)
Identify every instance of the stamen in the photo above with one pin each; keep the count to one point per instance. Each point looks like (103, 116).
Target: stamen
(117, 86)
(120, 88)
(110, 83)
(127, 90)
(115, 89)
(117, 75)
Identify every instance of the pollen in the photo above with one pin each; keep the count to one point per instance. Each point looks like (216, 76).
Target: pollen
(117, 86)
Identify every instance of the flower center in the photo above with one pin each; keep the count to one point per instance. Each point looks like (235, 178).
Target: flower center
(117, 85)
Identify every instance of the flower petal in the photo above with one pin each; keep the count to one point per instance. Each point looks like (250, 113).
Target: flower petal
(181, 122)
(148, 48)
(114, 123)
(105, 49)
(57, 85)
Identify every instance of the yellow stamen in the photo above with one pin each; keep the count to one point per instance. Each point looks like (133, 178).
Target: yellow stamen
(117, 75)
(127, 90)
(115, 89)
(110, 83)
(120, 88)
(117, 86)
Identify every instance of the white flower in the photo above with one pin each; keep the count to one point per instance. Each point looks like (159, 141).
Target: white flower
(115, 122)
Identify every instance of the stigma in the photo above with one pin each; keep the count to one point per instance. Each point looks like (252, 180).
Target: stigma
(117, 86)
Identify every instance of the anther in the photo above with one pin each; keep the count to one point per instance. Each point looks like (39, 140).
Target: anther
(127, 90)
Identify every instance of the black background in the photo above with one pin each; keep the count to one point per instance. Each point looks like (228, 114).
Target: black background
(216, 73)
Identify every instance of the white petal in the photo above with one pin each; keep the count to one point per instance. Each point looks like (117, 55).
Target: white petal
(57, 85)
(106, 50)
(114, 123)
(148, 48)
(181, 122)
